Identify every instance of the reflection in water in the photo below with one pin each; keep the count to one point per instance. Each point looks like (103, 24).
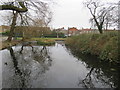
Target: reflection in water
(27, 70)
(99, 71)
(26, 44)
(55, 67)
(15, 62)
(88, 80)
(21, 74)
(42, 56)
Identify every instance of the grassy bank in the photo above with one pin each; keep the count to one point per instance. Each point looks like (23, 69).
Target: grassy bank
(47, 39)
(40, 41)
(44, 41)
(7, 44)
(104, 46)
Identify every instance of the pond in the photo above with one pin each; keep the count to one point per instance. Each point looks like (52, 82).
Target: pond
(54, 67)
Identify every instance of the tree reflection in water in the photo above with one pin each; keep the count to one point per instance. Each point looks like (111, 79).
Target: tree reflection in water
(104, 73)
(95, 75)
(26, 44)
(88, 80)
(29, 66)
(17, 69)
(15, 62)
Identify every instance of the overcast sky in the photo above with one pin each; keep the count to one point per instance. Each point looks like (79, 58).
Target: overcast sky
(70, 13)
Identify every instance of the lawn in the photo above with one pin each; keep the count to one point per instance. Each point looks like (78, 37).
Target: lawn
(40, 41)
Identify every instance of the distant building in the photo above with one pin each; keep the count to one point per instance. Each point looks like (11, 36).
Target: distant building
(88, 31)
(72, 31)
(65, 32)
(4, 28)
(61, 30)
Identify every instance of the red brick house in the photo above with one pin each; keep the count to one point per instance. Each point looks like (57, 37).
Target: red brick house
(72, 31)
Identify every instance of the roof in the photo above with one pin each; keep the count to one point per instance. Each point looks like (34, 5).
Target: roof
(73, 29)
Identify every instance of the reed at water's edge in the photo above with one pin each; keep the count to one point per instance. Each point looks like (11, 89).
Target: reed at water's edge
(105, 46)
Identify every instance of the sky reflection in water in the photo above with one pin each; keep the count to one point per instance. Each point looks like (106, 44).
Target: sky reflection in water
(52, 67)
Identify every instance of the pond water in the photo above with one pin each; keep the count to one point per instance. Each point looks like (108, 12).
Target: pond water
(54, 67)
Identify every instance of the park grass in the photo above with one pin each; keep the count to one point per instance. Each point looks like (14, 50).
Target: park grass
(43, 39)
(105, 46)
(40, 41)
(46, 41)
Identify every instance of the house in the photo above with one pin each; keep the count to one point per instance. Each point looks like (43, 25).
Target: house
(65, 32)
(72, 31)
(61, 30)
(4, 28)
(88, 31)
(95, 30)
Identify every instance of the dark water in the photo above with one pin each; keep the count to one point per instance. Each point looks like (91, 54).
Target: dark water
(54, 67)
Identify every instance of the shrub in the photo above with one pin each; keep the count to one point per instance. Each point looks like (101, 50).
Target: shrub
(110, 50)
(105, 46)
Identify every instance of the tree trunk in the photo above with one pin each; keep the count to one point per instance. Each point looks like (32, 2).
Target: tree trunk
(100, 29)
(12, 27)
(99, 26)
(101, 32)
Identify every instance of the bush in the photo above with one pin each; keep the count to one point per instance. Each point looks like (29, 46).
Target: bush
(110, 50)
(6, 33)
(105, 46)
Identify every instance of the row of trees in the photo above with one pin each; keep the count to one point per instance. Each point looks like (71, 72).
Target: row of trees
(34, 31)
(26, 13)
(103, 15)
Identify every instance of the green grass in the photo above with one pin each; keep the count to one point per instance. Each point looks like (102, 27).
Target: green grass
(105, 46)
(46, 41)
(43, 41)
(39, 39)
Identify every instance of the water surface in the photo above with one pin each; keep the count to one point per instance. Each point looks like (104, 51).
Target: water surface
(54, 67)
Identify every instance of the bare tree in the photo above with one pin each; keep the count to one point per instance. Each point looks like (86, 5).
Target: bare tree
(43, 16)
(25, 11)
(99, 12)
(111, 19)
(16, 10)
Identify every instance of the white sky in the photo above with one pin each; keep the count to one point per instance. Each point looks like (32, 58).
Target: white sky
(72, 13)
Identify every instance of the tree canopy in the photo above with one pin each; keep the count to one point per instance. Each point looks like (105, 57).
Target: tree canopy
(27, 13)
(100, 13)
